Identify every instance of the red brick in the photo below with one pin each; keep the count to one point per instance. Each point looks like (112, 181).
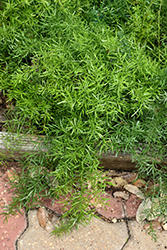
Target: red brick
(131, 206)
(113, 209)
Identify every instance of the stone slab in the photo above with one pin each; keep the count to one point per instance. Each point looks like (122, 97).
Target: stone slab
(140, 240)
(97, 235)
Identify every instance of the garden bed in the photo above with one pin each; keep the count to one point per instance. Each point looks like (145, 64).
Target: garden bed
(109, 160)
(85, 83)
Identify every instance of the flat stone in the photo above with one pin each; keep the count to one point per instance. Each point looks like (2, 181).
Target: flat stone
(113, 209)
(121, 194)
(148, 209)
(140, 239)
(119, 181)
(134, 190)
(164, 226)
(140, 214)
(131, 206)
(98, 234)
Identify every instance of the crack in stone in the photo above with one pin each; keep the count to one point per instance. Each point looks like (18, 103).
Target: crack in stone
(25, 229)
(125, 219)
(127, 226)
(28, 224)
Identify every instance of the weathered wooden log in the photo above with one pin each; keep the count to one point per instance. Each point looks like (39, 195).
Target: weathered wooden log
(12, 146)
(121, 161)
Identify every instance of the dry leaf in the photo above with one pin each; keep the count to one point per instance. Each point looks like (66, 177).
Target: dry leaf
(154, 225)
(2, 202)
(96, 203)
(139, 183)
(130, 177)
(41, 215)
(50, 217)
(89, 184)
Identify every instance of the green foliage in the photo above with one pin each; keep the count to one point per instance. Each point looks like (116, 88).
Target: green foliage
(88, 76)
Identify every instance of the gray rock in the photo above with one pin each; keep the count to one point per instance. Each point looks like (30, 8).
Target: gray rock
(141, 212)
(134, 190)
(164, 226)
(119, 181)
(150, 210)
(121, 194)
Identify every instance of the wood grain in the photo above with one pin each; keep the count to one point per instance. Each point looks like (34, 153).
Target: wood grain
(28, 143)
